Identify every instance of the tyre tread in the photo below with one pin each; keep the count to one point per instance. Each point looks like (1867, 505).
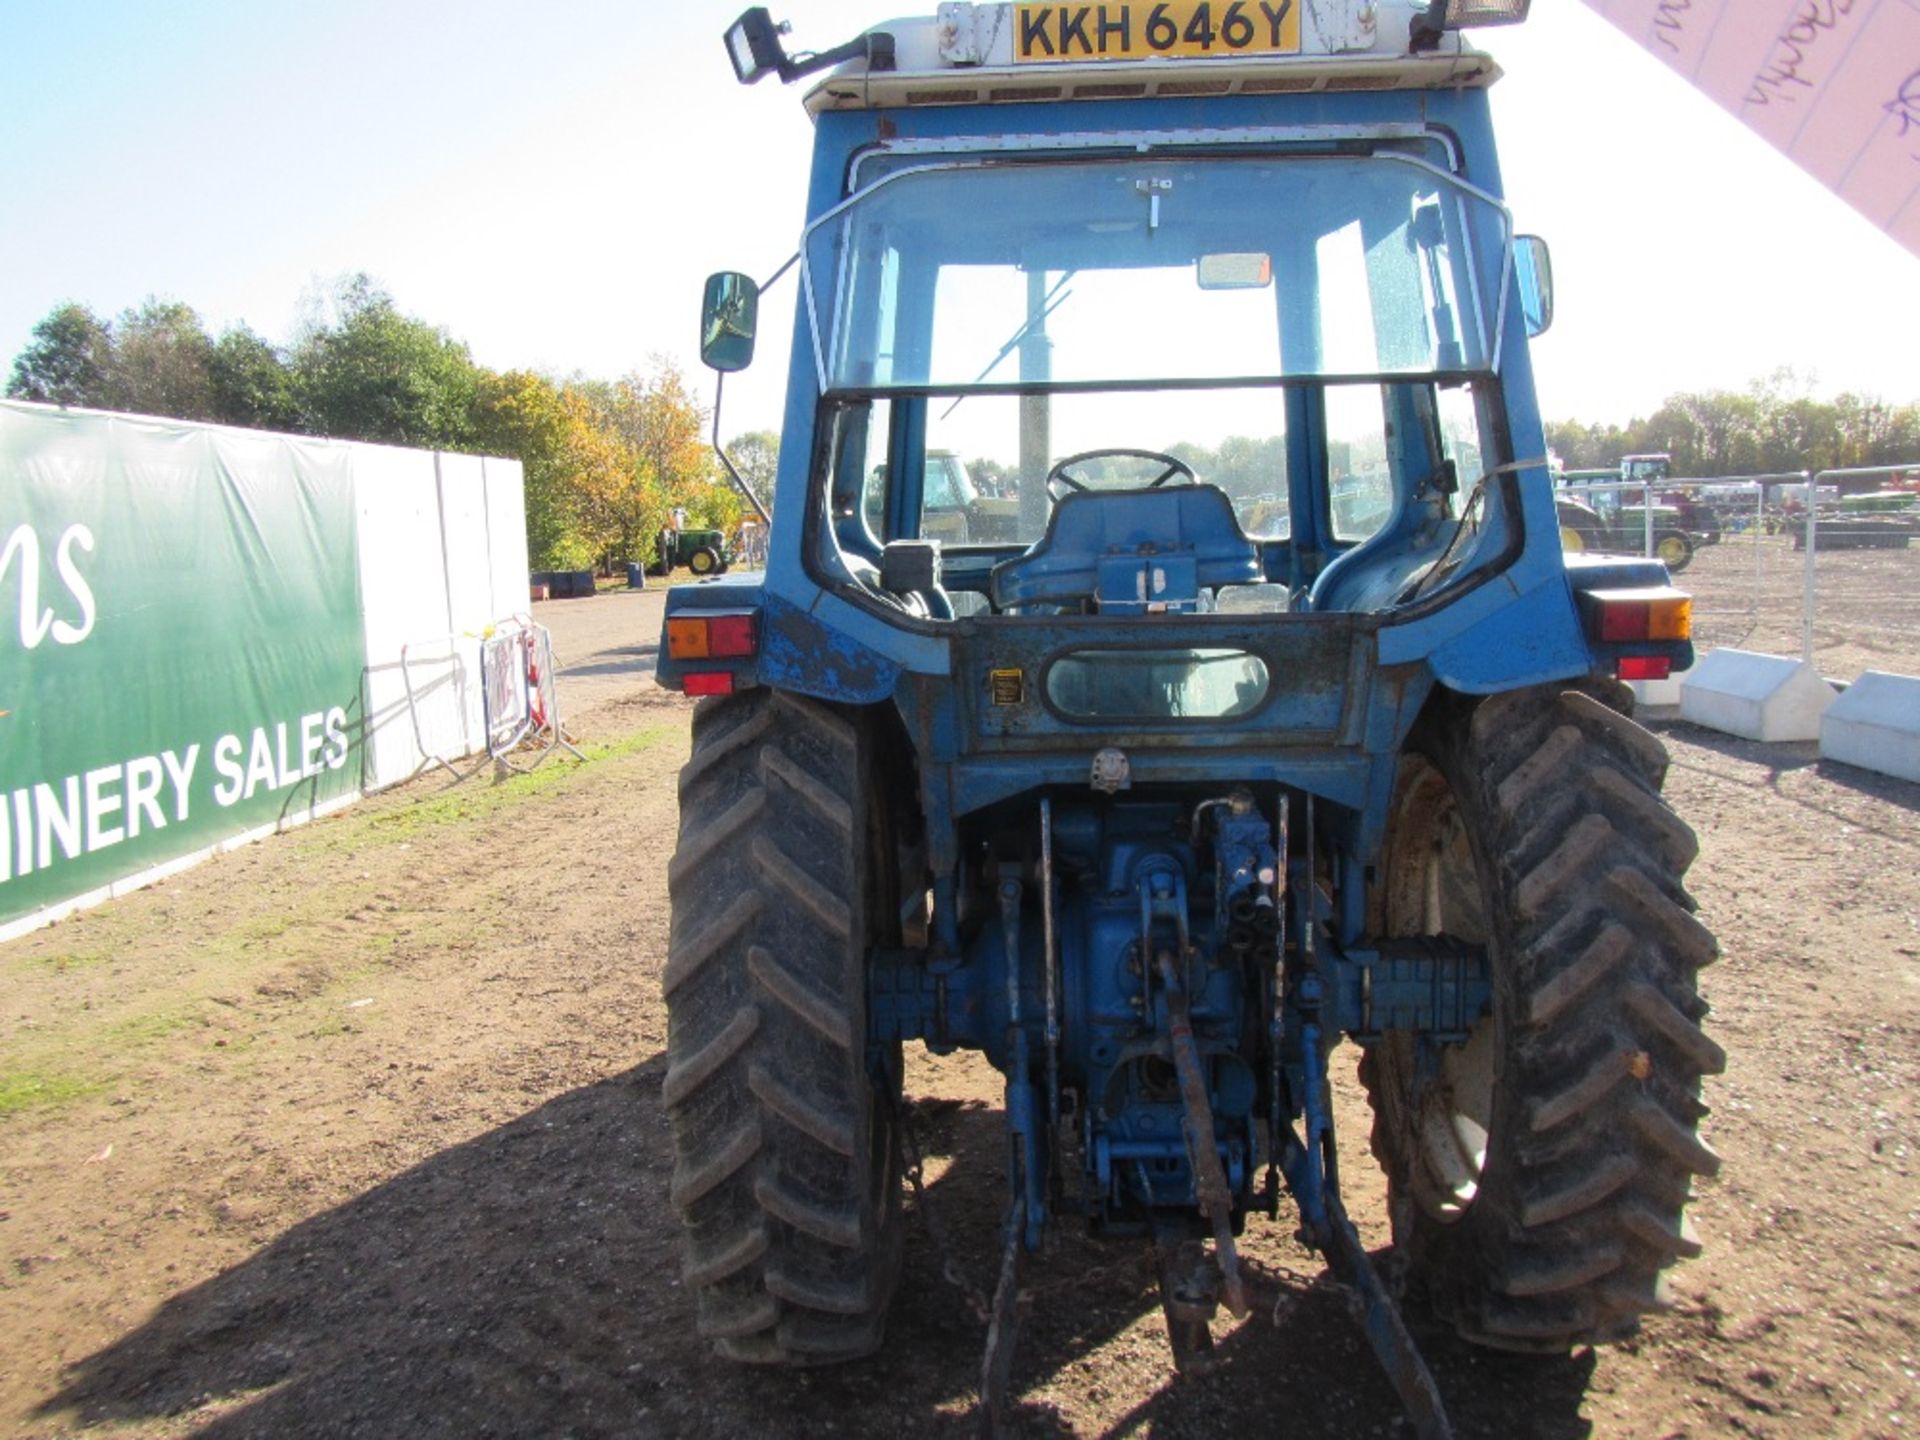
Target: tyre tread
(785, 1174)
(1584, 865)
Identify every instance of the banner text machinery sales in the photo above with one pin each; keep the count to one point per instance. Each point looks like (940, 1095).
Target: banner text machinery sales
(48, 823)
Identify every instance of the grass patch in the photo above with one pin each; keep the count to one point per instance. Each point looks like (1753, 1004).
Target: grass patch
(475, 800)
(144, 1029)
(84, 1060)
(33, 1089)
(61, 963)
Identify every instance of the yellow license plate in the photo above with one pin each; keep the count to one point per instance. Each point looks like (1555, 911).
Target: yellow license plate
(1136, 29)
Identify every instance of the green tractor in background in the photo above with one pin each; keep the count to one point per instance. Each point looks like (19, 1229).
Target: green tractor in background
(1612, 521)
(702, 552)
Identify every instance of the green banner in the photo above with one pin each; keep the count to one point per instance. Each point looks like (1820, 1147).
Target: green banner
(181, 644)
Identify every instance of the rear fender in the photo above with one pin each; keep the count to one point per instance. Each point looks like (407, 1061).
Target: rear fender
(1520, 628)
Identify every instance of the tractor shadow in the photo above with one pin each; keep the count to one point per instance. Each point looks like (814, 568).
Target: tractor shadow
(624, 660)
(525, 1282)
(1778, 759)
(1886, 788)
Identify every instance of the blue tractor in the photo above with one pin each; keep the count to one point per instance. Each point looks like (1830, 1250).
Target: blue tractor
(1271, 716)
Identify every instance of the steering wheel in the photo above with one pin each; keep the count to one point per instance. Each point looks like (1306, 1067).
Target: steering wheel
(1061, 481)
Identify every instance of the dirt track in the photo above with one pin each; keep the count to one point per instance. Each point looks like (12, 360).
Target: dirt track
(357, 1132)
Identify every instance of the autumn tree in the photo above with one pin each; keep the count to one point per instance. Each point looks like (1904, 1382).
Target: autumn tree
(527, 417)
(662, 424)
(1776, 425)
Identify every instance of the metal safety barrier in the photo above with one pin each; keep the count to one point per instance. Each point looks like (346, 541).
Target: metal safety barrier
(520, 696)
(1861, 576)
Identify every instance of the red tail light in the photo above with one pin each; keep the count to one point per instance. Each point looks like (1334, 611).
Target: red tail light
(711, 635)
(1657, 612)
(1644, 667)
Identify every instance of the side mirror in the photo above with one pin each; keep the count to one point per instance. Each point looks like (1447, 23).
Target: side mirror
(1533, 277)
(729, 317)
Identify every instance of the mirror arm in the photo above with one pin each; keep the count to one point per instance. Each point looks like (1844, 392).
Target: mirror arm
(739, 480)
(785, 265)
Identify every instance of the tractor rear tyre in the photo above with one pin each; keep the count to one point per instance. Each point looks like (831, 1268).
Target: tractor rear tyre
(786, 1163)
(1538, 1173)
(1579, 528)
(1673, 549)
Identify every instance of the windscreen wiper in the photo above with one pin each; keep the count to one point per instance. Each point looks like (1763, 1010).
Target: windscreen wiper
(1053, 301)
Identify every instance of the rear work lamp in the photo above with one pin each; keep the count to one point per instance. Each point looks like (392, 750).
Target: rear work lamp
(753, 44)
(1444, 15)
(1465, 14)
(755, 48)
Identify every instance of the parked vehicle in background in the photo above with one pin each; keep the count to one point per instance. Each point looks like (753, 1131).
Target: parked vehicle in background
(959, 512)
(1693, 513)
(703, 552)
(1616, 521)
(1876, 520)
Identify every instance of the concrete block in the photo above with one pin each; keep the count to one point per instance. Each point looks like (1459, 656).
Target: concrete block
(1660, 694)
(1876, 725)
(1754, 696)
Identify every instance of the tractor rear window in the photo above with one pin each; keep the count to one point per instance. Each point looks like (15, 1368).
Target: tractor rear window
(976, 275)
(1156, 684)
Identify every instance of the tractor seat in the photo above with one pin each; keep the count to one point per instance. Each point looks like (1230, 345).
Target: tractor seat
(1132, 552)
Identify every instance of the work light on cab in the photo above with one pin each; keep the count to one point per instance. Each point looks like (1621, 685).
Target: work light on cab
(1444, 15)
(753, 45)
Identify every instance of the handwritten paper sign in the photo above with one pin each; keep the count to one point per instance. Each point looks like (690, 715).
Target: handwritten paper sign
(1834, 84)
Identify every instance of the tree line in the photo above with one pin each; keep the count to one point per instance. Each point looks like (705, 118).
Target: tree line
(1773, 426)
(607, 462)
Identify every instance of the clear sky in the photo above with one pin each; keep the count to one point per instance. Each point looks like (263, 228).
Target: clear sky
(552, 183)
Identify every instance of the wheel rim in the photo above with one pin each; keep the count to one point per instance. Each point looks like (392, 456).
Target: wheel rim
(1572, 540)
(700, 563)
(1672, 550)
(1436, 889)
